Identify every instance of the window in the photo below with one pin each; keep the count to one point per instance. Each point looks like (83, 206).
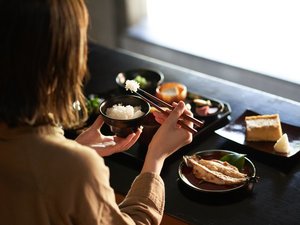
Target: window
(258, 35)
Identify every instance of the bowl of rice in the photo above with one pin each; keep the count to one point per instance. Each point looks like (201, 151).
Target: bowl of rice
(124, 114)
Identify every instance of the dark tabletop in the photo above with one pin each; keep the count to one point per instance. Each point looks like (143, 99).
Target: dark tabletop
(275, 199)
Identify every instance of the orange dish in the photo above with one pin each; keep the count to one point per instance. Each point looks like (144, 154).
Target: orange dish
(171, 92)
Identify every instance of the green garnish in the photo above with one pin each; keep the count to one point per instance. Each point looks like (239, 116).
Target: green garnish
(235, 159)
(141, 80)
(93, 103)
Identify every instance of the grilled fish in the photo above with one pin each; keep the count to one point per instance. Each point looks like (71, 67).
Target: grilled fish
(215, 171)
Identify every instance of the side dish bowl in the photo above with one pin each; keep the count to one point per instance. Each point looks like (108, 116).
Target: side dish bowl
(148, 79)
(206, 111)
(171, 92)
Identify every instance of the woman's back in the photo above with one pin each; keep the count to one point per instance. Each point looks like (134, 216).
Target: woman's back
(46, 178)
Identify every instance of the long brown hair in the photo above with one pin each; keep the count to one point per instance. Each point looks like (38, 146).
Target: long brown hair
(42, 61)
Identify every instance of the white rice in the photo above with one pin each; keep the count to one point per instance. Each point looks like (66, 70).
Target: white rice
(121, 112)
(132, 85)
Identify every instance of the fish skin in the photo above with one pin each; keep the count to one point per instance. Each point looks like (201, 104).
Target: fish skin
(215, 171)
(222, 167)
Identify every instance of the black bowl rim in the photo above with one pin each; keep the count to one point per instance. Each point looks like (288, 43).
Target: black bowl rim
(120, 96)
(218, 103)
(162, 77)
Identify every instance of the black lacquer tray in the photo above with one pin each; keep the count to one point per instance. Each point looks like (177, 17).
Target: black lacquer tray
(236, 132)
(138, 151)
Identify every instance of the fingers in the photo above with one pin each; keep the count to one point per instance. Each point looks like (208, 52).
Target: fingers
(134, 138)
(97, 123)
(160, 117)
(126, 143)
(103, 144)
(186, 111)
(121, 144)
(177, 112)
(105, 151)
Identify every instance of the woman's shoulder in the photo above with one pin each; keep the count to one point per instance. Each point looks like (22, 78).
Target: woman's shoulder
(74, 155)
(61, 161)
(70, 176)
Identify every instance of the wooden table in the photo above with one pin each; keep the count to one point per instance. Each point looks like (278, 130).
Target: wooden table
(275, 198)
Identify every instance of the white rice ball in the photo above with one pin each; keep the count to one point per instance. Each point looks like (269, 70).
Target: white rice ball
(121, 112)
(132, 85)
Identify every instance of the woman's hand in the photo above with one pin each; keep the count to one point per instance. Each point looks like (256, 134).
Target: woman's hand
(106, 145)
(168, 138)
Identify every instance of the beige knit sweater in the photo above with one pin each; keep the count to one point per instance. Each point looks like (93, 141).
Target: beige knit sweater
(48, 179)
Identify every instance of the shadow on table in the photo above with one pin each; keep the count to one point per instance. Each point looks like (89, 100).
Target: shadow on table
(215, 198)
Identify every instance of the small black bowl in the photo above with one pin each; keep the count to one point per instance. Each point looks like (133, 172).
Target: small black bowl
(219, 107)
(153, 78)
(122, 128)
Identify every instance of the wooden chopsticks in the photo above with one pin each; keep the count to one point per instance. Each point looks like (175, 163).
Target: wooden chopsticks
(184, 116)
(197, 122)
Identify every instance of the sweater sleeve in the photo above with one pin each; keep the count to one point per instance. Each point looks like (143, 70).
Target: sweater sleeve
(94, 199)
(145, 200)
(144, 203)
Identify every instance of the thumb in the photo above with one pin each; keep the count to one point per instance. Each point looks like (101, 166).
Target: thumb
(97, 123)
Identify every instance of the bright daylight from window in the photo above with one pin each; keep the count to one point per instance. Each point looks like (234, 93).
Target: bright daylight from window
(259, 35)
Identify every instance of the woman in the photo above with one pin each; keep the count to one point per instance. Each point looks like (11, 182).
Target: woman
(44, 177)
